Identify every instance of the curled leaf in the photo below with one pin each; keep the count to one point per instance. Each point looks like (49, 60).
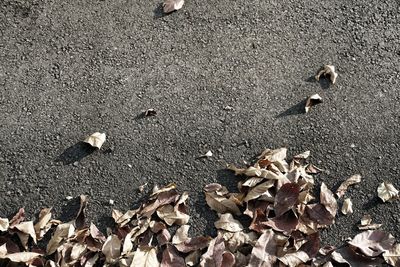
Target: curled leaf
(96, 140)
(355, 179)
(347, 206)
(172, 5)
(327, 70)
(4, 224)
(312, 101)
(387, 192)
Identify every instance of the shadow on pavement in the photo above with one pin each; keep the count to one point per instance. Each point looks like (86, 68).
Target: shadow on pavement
(75, 153)
(323, 81)
(294, 110)
(159, 12)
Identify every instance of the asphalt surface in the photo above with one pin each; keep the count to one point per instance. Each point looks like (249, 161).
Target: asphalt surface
(71, 68)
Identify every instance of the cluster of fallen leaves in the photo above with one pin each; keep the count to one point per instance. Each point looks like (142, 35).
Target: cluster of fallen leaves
(277, 196)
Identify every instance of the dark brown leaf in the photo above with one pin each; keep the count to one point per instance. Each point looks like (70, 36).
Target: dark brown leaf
(80, 217)
(286, 198)
(171, 258)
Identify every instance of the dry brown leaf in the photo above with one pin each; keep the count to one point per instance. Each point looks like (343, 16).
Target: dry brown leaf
(327, 70)
(228, 223)
(62, 232)
(163, 237)
(127, 245)
(172, 216)
(312, 101)
(303, 155)
(157, 191)
(24, 257)
(213, 256)
(171, 258)
(259, 190)
(42, 226)
(96, 140)
(4, 224)
(234, 240)
(112, 248)
(264, 252)
(253, 181)
(286, 197)
(80, 217)
(328, 200)
(392, 256)
(373, 242)
(193, 258)
(18, 217)
(145, 257)
(355, 179)
(26, 228)
(150, 112)
(181, 234)
(192, 244)
(221, 204)
(294, 259)
(347, 206)
(366, 223)
(123, 219)
(172, 5)
(348, 255)
(387, 192)
(274, 155)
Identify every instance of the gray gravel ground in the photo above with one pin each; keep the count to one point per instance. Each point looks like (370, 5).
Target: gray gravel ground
(70, 68)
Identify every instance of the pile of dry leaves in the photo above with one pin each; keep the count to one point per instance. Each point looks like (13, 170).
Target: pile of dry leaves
(284, 230)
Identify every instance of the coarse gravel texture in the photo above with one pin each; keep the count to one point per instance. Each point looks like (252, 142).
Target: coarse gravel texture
(71, 68)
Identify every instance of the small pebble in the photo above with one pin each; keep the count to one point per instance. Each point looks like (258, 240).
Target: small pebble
(111, 202)
(68, 197)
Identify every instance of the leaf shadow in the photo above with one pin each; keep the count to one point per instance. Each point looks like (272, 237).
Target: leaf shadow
(75, 153)
(372, 202)
(294, 110)
(324, 81)
(159, 11)
(70, 210)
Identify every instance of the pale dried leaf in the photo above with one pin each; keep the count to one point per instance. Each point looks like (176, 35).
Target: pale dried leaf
(145, 257)
(328, 200)
(112, 248)
(392, 256)
(347, 206)
(327, 70)
(25, 257)
(62, 232)
(192, 244)
(27, 228)
(172, 5)
(259, 190)
(253, 181)
(221, 204)
(150, 112)
(264, 252)
(127, 245)
(347, 255)
(387, 192)
(294, 259)
(181, 234)
(172, 216)
(42, 226)
(77, 251)
(166, 188)
(96, 139)
(4, 224)
(274, 155)
(18, 217)
(303, 155)
(312, 101)
(228, 223)
(214, 254)
(373, 242)
(355, 179)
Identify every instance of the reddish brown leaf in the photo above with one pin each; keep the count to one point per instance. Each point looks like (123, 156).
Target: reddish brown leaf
(18, 218)
(171, 258)
(192, 244)
(286, 198)
(287, 222)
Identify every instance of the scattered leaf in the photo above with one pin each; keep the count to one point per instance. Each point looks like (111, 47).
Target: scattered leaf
(312, 101)
(327, 70)
(150, 112)
(373, 242)
(355, 179)
(172, 5)
(96, 140)
(347, 206)
(387, 192)
(366, 223)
